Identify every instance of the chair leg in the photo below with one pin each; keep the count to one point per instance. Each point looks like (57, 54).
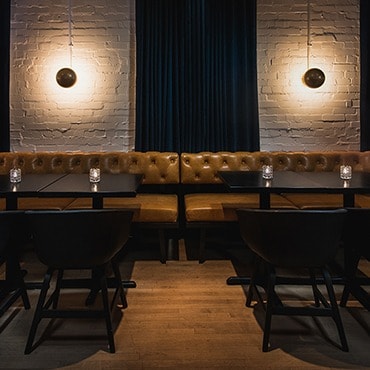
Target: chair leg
(119, 288)
(15, 287)
(163, 245)
(269, 307)
(202, 245)
(335, 310)
(350, 268)
(56, 292)
(252, 283)
(314, 287)
(38, 312)
(107, 314)
(21, 284)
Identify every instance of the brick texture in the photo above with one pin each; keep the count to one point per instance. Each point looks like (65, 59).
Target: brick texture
(98, 113)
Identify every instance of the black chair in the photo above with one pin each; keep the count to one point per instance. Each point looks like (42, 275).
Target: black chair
(78, 240)
(290, 241)
(12, 236)
(356, 246)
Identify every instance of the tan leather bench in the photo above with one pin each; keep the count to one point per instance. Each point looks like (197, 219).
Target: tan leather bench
(156, 206)
(206, 205)
(326, 162)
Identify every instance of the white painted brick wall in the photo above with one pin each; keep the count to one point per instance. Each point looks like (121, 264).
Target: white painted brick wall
(294, 117)
(99, 112)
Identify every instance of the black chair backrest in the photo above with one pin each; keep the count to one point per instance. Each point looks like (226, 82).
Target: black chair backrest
(12, 231)
(79, 238)
(292, 238)
(356, 234)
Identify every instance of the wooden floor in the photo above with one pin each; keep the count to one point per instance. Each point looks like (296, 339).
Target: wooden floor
(183, 315)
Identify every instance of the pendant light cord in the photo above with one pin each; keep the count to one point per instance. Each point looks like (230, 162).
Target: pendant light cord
(309, 44)
(70, 31)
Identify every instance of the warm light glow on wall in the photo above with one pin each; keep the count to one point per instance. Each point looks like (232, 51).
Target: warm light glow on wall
(81, 91)
(301, 93)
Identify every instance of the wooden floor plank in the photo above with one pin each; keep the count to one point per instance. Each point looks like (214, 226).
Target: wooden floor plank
(183, 315)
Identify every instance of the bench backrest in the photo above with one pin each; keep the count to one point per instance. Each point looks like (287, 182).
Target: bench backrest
(157, 167)
(202, 167)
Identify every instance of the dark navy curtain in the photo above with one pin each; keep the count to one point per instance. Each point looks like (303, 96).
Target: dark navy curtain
(4, 74)
(365, 75)
(196, 78)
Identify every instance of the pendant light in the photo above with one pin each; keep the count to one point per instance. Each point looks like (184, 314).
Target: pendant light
(313, 77)
(66, 77)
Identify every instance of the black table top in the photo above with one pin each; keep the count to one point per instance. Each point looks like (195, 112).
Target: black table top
(302, 182)
(69, 185)
(30, 185)
(110, 185)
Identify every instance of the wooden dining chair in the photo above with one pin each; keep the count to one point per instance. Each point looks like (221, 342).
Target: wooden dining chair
(296, 241)
(356, 247)
(77, 240)
(12, 236)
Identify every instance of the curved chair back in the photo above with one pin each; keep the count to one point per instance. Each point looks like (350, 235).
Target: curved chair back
(72, 239)
(355, 235)
(292, 238)
(356, 246)
(11, 228)
(13, 234)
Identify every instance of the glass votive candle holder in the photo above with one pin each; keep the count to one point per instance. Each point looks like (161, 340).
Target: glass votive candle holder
(345, 172)
(94, 175)
(267, 171)
(15, 175)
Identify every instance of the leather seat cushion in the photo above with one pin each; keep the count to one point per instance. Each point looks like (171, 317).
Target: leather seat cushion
(221, 207)
(362, 200)
(316, 201)
(40, 203)
(147, 207)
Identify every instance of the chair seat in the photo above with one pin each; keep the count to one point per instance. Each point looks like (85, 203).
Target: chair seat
(316, 201)
(147, 207)
(221, 207)
(363, 200)
(44, 203)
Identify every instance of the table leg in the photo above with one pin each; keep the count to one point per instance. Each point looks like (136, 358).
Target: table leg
(237, 280)
(348, 200)
(264, 200)
(11, 202)
(97, 202)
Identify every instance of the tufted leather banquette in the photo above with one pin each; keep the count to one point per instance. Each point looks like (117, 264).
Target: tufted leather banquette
(186, 188)
(207, 203)
(155, 205)
(202, 168)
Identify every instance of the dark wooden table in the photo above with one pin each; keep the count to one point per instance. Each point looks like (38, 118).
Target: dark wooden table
(69, 185)
(294, 182)
(30, 186)
(79, 186)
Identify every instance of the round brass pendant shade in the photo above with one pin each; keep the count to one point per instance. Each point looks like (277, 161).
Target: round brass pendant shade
(314, 78)
(66, 77)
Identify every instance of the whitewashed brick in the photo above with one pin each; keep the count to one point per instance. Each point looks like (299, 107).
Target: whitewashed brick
(104, 41)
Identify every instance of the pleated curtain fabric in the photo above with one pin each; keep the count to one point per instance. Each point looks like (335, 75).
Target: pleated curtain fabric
(196, 81)
(365, 75)
(4, 75)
